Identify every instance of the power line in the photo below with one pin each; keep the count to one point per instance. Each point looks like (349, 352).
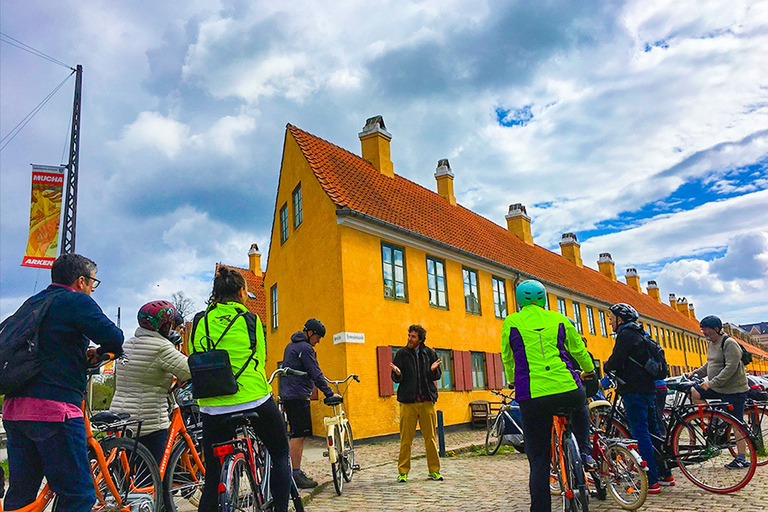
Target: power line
(23, 46)
(16, 129)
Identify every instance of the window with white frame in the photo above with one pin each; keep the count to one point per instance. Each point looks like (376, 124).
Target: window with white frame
(436, 283)
(591, 320)
(577, 317)
(499, 297)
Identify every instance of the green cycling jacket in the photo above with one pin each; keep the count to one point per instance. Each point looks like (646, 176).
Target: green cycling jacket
(534, 343)
(237, 342)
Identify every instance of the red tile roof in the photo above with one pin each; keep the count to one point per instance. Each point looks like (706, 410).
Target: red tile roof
(255, 286)
(354, 183)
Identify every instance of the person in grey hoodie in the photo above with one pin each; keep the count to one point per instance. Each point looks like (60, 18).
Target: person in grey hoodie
(296, 390)
(726, 377)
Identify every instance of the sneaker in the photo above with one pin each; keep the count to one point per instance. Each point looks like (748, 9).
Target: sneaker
(668, 481)
(654, 489)
(738, 463)
(303, 481)
(589, 463)
(435, 476)
(402, 478)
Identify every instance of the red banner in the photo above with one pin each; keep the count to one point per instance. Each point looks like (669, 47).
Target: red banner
(44, 216)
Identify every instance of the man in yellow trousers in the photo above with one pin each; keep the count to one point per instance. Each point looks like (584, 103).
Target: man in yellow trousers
(415, 368)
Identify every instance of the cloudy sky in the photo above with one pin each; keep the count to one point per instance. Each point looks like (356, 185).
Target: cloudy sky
(640, 126)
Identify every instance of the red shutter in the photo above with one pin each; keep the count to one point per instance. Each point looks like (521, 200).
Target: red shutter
(313, 396)
(490, 371)
(467, 370)
(499, 371)
(384, 357)
(458, 370)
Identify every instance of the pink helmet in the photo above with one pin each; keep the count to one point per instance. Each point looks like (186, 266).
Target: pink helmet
(153, 315)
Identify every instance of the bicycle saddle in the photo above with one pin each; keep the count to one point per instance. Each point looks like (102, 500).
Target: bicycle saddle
(245, 417)
(333, 400)
(104, 418)
(564, 412)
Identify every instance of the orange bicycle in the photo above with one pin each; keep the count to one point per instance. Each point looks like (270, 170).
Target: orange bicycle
(566, 470)
(181, 467)
(125, 475)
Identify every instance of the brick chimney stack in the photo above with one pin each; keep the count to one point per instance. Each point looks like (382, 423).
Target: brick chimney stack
(374, 140)
(519, 223)
(444, 177)
(606, 266)
(571, 249)
(254, 260)
(653, 290)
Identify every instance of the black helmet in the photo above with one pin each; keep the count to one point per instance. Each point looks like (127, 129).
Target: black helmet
(316, 326)
(624, 311)
(712, 322)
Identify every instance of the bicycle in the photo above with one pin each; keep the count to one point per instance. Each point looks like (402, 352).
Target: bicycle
(756, 413)
(620, 469)
(246, 466)
(504, 424)
(182, 467)
(566, 465)
(125, 475)
(341, 446)
(700, 439)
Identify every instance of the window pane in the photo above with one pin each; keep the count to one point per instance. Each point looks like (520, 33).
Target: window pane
(591, 320)
(478, 370)
(561, 306)
(386, 254)
(273, 295)
(577, 317)
(445, 382)
(298, 214)
(603, 327)
(284, 223)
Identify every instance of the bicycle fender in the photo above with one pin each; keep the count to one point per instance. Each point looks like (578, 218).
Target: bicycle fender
(599, 403)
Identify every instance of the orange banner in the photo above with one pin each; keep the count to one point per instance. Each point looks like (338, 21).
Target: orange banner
(44, 216)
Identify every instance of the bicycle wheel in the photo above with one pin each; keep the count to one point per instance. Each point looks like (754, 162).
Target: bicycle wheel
(134, 473)
(237, 490)
(757, 421)
(336, 468)
(495, 435)
(626, 480)
(576, 480)
(702, 446)
(184, 477)
(348, 449)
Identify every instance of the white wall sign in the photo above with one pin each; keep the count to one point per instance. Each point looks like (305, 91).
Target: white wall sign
(348, 337)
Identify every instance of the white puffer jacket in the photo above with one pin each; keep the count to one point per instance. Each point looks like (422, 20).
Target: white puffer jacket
(143, 382)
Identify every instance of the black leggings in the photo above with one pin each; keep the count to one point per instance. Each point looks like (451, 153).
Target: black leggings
(537, 428)
(271, 430)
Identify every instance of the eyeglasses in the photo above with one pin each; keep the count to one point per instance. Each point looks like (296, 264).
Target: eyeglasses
(95, 281)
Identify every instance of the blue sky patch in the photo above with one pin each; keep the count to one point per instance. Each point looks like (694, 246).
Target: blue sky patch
(514, 117)
(661, 43)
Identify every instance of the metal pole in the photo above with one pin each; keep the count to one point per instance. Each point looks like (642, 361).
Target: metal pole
(441, 433)
(70, 203)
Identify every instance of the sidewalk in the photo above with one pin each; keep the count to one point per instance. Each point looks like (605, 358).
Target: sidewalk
(373, 455)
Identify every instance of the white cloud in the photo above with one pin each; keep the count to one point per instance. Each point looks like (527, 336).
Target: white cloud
(151, 130)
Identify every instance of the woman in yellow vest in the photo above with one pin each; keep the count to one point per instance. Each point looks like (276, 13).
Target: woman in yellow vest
(233, 328)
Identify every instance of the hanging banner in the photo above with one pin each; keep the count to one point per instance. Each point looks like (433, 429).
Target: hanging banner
(44, 216)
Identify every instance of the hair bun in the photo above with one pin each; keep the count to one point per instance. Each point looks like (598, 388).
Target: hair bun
(224, 271)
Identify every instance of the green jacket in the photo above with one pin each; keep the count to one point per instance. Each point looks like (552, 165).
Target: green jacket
(237, 341)
(534, 343)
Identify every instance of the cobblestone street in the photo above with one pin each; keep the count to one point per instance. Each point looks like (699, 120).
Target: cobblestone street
(480, 483)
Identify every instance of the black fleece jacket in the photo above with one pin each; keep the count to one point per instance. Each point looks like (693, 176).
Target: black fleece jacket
(417, 381)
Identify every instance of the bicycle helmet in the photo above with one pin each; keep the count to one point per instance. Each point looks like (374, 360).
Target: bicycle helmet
(624, 311)
(315, 326)
(711, 322)
(531, 292)
(154, 315)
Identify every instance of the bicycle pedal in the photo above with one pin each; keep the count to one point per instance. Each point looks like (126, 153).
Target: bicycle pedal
(356, 467)
(325, 454)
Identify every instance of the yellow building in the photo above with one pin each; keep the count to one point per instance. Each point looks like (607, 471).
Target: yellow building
(369, 253)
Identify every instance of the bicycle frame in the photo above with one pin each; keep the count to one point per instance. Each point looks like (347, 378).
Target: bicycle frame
(338, 419)
(176, 430)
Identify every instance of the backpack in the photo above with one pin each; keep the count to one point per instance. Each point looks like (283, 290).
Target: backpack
(656, 365)
(19, 344)
(746, 357)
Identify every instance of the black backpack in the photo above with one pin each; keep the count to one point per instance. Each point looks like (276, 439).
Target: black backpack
(746, 357)
(19, 347)
(656, 365)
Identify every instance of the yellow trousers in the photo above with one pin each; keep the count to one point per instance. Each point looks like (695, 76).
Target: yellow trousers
(425, 415)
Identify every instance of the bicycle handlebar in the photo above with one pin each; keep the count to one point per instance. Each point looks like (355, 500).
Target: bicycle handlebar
(350, 376)
(286, 371)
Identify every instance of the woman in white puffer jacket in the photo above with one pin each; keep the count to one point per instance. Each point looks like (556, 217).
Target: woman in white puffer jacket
(143, 381)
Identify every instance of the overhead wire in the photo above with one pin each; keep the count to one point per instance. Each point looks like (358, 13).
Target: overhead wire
(23, 46)
(16, 129)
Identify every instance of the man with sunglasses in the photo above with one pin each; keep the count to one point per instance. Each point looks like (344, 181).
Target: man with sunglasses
(43, 419)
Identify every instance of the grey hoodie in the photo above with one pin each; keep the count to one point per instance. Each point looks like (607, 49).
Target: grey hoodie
(725, 371)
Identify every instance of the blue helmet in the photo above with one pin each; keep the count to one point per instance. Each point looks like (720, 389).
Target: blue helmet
(531, 292)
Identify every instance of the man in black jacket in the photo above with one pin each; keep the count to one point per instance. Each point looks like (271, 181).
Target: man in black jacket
(415, 368)
(639, 388)
(295, 391)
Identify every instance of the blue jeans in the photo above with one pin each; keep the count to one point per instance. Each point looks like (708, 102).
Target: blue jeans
(56, 450)
(641, 414)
